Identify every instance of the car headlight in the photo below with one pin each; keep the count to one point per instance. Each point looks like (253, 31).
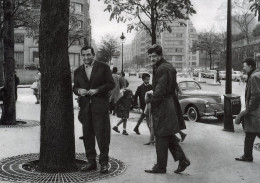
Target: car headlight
(207, 104)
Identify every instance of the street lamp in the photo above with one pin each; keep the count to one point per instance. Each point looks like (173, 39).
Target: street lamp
(122, 37)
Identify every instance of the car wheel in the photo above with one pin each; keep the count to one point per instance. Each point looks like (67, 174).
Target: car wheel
(220, 118)
(193, 113)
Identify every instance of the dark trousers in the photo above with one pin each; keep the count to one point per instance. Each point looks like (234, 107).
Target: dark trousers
(140, 120)
(249, 143)
(96, 125)
(163, 143)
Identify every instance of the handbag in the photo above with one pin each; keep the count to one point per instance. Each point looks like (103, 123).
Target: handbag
(34, 86)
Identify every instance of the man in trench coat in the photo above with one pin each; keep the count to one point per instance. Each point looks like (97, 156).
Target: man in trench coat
(166, 113)
(92, 83)
(251, 114)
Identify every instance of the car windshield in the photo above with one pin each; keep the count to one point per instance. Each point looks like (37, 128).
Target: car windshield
(189, 85)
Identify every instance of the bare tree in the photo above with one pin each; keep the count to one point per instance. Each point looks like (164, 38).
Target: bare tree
(242, 17)
(210, 42)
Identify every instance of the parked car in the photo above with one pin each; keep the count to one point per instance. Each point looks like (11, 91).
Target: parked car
(196, 103)
(132, 73)
(222, 74)
(31, 67)
(209, 73)
(236, 75)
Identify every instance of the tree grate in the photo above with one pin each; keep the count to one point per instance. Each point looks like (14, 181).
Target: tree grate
(11, 169)
(22, 124)
(257, 146)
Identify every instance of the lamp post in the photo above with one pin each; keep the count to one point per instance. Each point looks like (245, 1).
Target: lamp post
(122, 37)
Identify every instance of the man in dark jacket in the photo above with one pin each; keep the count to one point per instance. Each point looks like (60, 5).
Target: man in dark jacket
(166, 114)
(92, 83)
(251, 113)
(140, 93)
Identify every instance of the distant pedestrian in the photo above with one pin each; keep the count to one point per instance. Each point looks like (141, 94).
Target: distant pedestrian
(17, 82)
(140, 94)
(37, 91)
(122, 109)
(218, 78)
(241, 80)
(167, 118)
(115, 92)
(123, 81)
(251, 113)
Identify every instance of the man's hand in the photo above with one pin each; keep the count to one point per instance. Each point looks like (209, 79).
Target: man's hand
(239, 116)
(92, 92)
(83, 92)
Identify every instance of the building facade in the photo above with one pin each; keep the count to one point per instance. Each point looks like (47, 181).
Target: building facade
(26, 48)
(176, 45)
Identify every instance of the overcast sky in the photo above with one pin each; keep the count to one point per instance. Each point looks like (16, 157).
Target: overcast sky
(203, 20)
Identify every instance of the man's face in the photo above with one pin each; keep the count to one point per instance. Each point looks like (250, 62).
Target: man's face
(87, 56)
(247, 68)
(146, 80)
(155, 58)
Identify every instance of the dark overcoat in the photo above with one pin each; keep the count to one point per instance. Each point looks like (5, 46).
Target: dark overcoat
(166, 112)
(252, 101)
(101, 79)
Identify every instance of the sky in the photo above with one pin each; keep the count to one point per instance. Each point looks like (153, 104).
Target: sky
(101, 25)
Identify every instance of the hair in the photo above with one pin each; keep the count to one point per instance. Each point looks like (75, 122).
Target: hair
(145, 75)
(88, 47)
(250, 62)
(114, 70)
(122, 73)
(155, 49)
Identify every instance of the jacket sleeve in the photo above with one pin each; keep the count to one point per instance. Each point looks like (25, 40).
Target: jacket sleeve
(255, 94)
(76, 85)
(160, 88)
(109, 81)
(137, 93)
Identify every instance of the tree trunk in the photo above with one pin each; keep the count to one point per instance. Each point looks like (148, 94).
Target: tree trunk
(153, 27)
(210, 60)
(9, 114)
(57, 143)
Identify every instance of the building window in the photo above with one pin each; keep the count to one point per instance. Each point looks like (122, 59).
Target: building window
(194, 58)
(143, 50)
(194, 63)
(178, 50)
(74, 59)
(178, 57)
(194, 52)
(19, 61)
(142, 44)
(178, 35)
(76, 8)
(19, 38)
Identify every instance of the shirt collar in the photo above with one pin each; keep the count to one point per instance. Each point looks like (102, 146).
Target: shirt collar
(91, 65)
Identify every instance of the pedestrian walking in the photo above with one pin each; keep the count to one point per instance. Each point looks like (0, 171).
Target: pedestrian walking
(123, 81)
(114, 94)
(218, 78)
(122, 109)
(92, 82)
(17, 82)
(37, 89)
(167, 118)
(251, 114)
(140, 94)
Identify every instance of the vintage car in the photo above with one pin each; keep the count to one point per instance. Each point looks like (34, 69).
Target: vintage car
(132, 73)
(196, 103)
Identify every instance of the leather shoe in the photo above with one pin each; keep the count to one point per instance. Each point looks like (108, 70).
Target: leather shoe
(156, 169)
(183, 164)
(89, 167)
(104, 168)
(136, 130)
(243, 158)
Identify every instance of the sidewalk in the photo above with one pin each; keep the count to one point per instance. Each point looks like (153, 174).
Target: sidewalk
(210, 150)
